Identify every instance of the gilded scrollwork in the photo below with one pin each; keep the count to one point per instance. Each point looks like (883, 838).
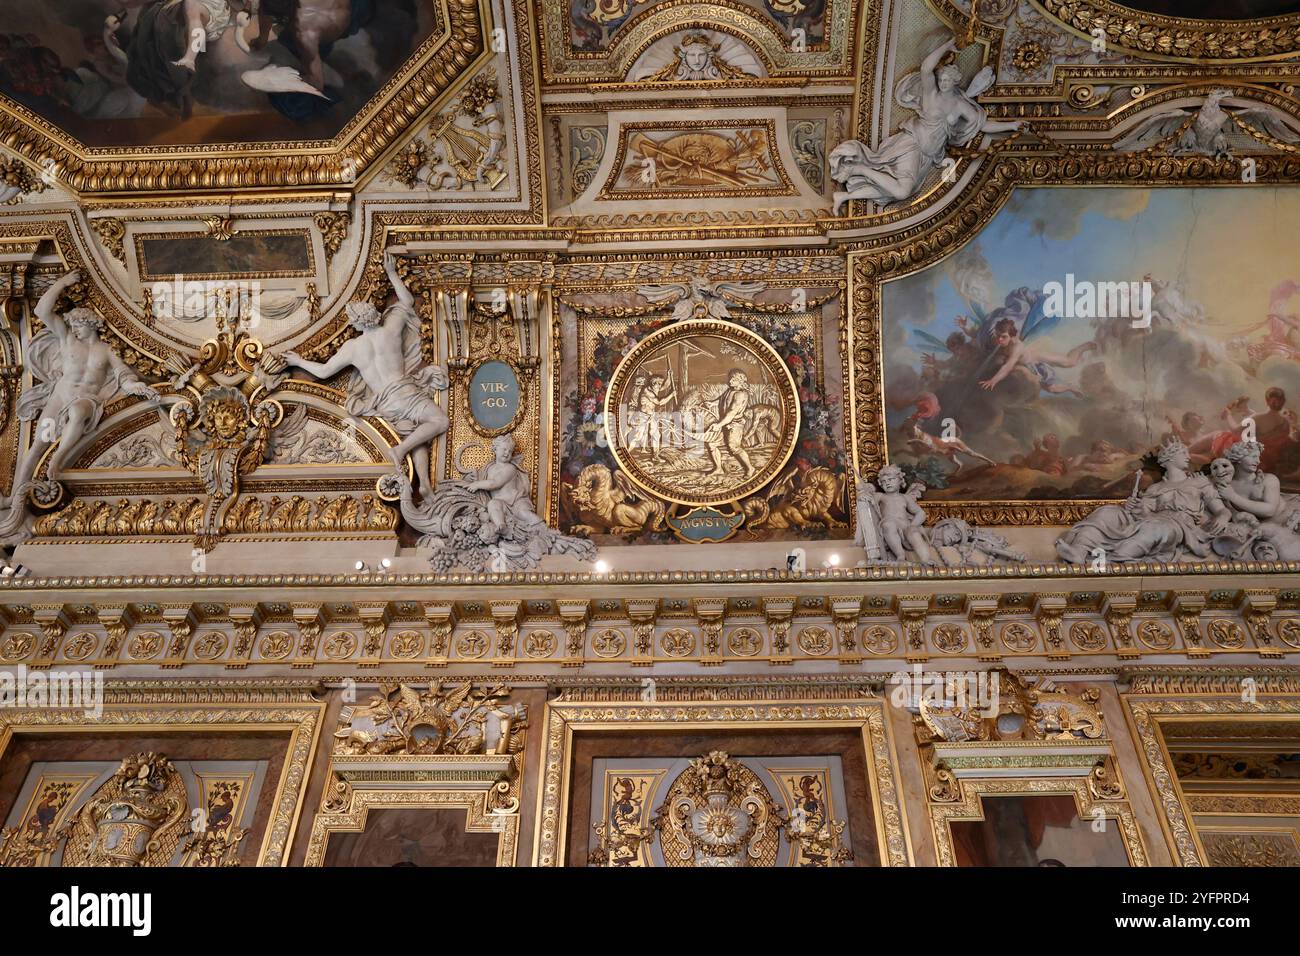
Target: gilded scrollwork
(452, 719)
(1178, 37)
(254, 515)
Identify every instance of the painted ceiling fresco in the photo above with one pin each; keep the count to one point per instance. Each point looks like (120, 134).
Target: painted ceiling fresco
(1089, 395)
(595, 24)
(175, 72)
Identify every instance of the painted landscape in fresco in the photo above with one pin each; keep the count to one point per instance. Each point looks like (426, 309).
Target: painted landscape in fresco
(998, 347)
(174, 72)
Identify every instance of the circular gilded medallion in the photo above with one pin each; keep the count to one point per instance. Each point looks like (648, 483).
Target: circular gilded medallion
(340, 645)
(1018, 636)
(1156, 635)
(540, 644)
(472, 645)
(80, 647)
(407, 644)
(210, 646)
(17, 646)
(949, 638)
(744, 642)
(276, 645)
(144, 646)
(880, 639)
(1087, 635)
(1227, 634)
(702, 413)
(815, 641)
(609, 643)
(678, 642)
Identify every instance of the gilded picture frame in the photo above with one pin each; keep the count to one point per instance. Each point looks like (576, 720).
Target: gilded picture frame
(134, 707)
(1157, 700)
(768, 708)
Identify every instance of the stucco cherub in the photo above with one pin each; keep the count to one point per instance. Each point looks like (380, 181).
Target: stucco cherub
(890, 522)
(231, 441)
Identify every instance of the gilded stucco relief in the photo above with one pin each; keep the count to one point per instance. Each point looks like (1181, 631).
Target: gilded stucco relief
(505, 434)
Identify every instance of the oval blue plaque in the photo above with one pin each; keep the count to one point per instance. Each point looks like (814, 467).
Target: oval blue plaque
(494, 395)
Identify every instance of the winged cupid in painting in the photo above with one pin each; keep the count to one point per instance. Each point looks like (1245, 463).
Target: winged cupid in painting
(389, 377)
(946, 115)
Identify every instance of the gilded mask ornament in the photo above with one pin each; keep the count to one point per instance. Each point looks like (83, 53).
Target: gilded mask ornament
(222, 419)
(231, 442)
(697, 57)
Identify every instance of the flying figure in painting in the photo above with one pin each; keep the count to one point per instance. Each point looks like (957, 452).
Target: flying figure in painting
(1017, 352)
(163, 52)
(1003, 336)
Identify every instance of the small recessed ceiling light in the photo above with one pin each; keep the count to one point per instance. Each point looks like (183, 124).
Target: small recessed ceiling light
(602, 567)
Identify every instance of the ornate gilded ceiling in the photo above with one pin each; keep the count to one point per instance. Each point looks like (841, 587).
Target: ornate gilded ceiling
(729, 376)
(552, 185)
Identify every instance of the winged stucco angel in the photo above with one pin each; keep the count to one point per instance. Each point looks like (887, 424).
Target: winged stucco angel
(946, 115)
